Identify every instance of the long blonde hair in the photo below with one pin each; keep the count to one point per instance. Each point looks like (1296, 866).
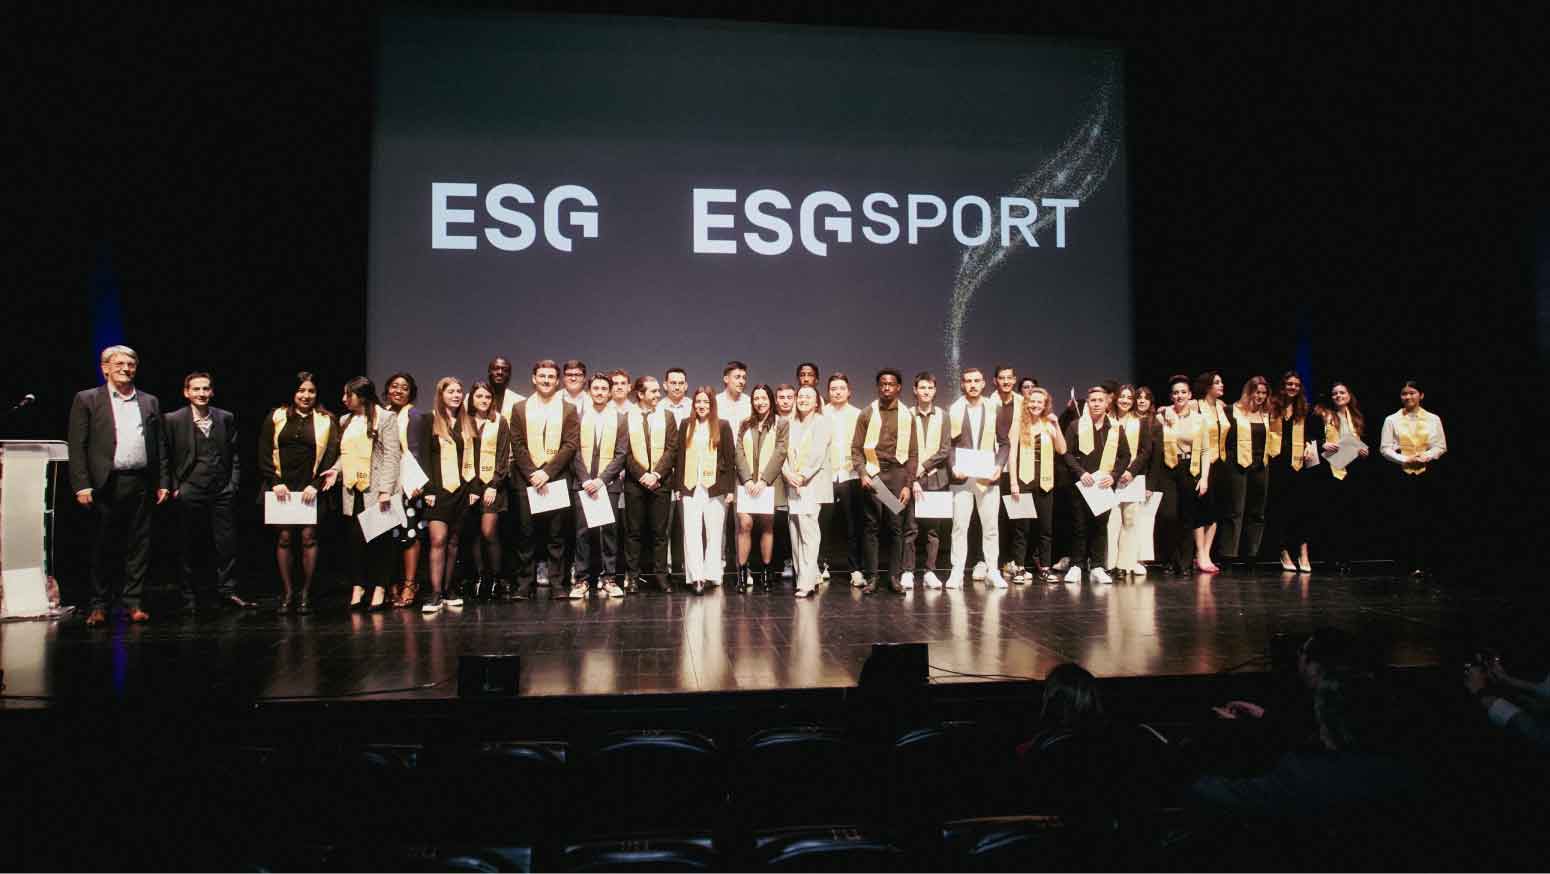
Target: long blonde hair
(1029, 419)
(439, 421)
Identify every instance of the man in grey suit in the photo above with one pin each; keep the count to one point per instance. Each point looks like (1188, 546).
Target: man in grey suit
(206, 469)
(118, 470)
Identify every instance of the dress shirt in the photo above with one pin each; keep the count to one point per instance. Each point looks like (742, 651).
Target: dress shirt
(129, 454)
(1437, 442)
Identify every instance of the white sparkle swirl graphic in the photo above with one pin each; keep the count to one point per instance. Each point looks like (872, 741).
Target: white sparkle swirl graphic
(1076, 170)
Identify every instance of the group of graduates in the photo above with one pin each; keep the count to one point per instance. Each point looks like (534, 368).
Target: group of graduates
(660, 470)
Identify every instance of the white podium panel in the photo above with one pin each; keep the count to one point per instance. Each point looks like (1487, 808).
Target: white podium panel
(26, 517)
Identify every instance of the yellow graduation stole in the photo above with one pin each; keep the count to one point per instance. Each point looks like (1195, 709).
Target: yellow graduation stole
(928, 437)
(1413, 439)
(874, 432)
(509, 402)
(489, 440)
(766, 440)
(543, 435)
(403, 427)
(610, 436)
(320, 426)
(1213, 427)
(1332, 434)
(987, 435)
(701, 459)
(451, 469)
(1038, 431)
(844, 431)
(644, 455)
(355, 454)
(1171, 443)
(1244, 425)
(1085, 432)
(1132, 427)
(1273, 445)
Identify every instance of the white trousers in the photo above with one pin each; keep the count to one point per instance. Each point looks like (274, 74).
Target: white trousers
(968, 499)
(806, 534)
(705, 519)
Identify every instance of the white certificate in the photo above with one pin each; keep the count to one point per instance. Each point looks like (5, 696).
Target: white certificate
(1346, 451)
(803, 501)
(556, 497)
(1099, 499)
(1020, 506)
(975, 463)
(597, 508)
(886, 496)
(290, 511)
(934, 505)
(1134, 493)
(410, 477)
(763, 505)
(375, 520)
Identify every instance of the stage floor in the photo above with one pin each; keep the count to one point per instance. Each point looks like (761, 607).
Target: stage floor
(725, 641)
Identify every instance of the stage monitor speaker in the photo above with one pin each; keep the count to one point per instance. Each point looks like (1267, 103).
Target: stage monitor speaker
(488, 675)
(894, 666)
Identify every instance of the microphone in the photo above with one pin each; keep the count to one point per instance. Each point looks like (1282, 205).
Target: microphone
(27, 400)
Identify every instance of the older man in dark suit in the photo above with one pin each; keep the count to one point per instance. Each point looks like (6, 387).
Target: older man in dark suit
(205, 466)
(118, 469)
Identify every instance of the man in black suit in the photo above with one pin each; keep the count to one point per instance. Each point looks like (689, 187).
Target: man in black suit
(205, 466)
(118, 469)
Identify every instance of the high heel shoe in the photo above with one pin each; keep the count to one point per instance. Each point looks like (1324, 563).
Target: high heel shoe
(285, 603)
(1286, 563)
(379, 601)
(407, 592)
(358, 598)
(1304, 566)
(303, 607)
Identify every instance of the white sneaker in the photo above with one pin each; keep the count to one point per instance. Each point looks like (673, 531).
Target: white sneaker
(907, 581)
(1138, 571)
(823, 572)
(433, 605)
(453, 600)
(578, 591)
(857, 579)
(1074, 575)
(979, 571)
(785, 571)
(954, 581)
(611, 590)
(1099, 575)
(932, 581)
(994, 579)
(541, 576)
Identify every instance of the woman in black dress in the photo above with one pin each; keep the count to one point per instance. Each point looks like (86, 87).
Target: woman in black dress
(297, 445)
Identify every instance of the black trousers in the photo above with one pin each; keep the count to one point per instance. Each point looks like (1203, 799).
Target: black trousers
(207, 523)
(597, 547)
(876, 519)
(935, 531)
(675, 531)
(121, 515)
(1040, 532)
(1089, 533)
(646, 515)
(543, 534)
(1418, 518)
(1178, 516)
(1243, 525)
(1292, 504)
(848, 500)
(373, 563)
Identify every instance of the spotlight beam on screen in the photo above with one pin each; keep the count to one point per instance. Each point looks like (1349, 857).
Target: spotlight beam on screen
(1079, 167)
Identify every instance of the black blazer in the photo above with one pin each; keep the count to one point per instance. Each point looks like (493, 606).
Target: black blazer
(180, 428)
(726, 461)
(93, 439)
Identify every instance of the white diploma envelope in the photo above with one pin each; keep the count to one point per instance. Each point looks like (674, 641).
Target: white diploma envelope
(598, 509)
(376, 521)
(934, 505)
(975, 463)
(885, 496)
(557, 497)
(801, 502)
(1018, 506)
(763, 505)
(1135, 493)
(410, 476)
(1346, 451)
(290, 511)
(1100, 500)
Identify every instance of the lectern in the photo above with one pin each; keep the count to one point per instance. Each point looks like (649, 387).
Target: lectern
(28, 483)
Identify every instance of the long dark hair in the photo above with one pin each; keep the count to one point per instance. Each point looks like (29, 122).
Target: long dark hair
(1331, 414)
(366, 391)
(1071, 696)
(1299, 405)
(769, 416)
(712, 419)
(317, 403)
